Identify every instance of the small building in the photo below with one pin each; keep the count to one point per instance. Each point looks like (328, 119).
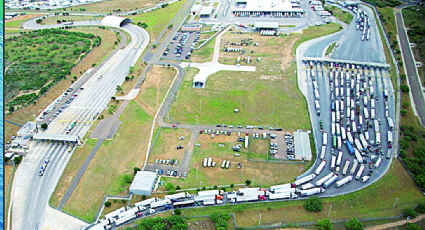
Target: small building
(199, 81)
(196, 9)
(28, 130)
(143, 183)
(115, 21)
(266, 25)
(206, 12)
(8, 16)
(302, 146)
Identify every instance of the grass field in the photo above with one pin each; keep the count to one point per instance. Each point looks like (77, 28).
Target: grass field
(343, 16)
(220, 148)
(330, 48)
(166, 143)
(107, 174)
(8, 173)
(69, 18)
(258, 148)
(205, 53)
(95, 56)
(158, 19)
(376, 200)
(111, 5)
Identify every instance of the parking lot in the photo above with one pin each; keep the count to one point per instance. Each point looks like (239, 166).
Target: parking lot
(181, 47)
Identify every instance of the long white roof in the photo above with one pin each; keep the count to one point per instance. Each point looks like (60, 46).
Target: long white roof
(267, 6)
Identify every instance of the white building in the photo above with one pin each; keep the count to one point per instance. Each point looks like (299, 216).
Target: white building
(276, 8)
(143, 183)
(302, 146)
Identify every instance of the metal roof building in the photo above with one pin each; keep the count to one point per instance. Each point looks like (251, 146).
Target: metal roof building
(302, 146)
(143, 183)
(277, 8)
(28, 130)
(266, 25)
(115, 21)
(206, 11)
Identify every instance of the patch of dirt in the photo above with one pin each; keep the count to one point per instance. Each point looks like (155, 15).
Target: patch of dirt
(286, 54)
(272, 78)
(23, 17)
(201, 225)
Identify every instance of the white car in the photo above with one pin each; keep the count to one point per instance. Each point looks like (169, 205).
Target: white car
(365, 179)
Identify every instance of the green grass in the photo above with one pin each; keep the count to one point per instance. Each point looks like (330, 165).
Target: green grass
(258, 148)
(205, 53)
(330, 48)
(166, 143)
(343, 16)
(159, 19)
(106, 174)
(376, 200)
(317, 31)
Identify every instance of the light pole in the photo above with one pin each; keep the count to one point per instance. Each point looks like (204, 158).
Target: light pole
(329, 211)
(259, 221)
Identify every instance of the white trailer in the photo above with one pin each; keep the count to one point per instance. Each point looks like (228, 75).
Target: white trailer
(344, 181)
(376, 125)
(209, 161)
(350, 137)
(339, 142)
(372, 114)
(146, 202)
(339, 159)
(390, 123)
(341, 106)
(365, 101)
(338, 116)
(354, 127)
(252, 197)
(346, 166)
(354, 168)
(366, 135)
(311, 191)
(363, 140)
(352, 116)
(316, 94)
(316, 102)
(390, 137)
(208, 202)
(360, 172)
(281, 186)
(372, 104)
(343, 134)
(305, 179)
(324, 179)
(205, 164)
(333, 117)
(209, 193)
(160, 203)
(378, 162)
(333, 127)
(333, 161)
(325, 138)
(366, 113)
(378, 138)
(320, 167)
(125, 219)
(114, 213)
(361, 120)
(227, 164)
(178, 196)
(223, 164)
(330, 181)
(282, 196)
(358, 145)
(246, 142)
(358, 156)
(283, 190)
(323, 152)
(348, 112)
(307, 186)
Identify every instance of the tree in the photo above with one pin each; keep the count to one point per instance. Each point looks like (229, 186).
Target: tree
(354, 224)
(136, 169)
(409, 213)
(248, 182)
(108, 204)
(411, 226)
(38, 21)
(403, 112)
(154, 46)
(143, 197)
(232, 185)
(403, 76)
(178, 187)
(324, 224)
(11, 108)
(313, 204)
(17, 159)
(420, 208)
(44, 126)
(177, 212)
(404, 88)
(127, 78)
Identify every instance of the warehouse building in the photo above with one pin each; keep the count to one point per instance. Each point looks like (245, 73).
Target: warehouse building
(206, 12)
(274, 8)
(143, 183)
(302, 146)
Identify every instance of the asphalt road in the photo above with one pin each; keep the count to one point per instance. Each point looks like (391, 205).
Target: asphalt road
(31, 193)
(410, 67)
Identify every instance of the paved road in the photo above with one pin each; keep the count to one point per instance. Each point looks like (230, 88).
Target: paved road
(411, 71)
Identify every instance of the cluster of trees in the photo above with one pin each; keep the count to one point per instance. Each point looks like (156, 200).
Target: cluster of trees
(175, 222)
(37, 60)
(384, 3)
(313, 204)
(352, 224)
(412, 140)
(220, 220)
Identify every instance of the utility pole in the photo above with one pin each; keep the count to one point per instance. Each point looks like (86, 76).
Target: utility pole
(395, 202)
(259, 221)
(329, 213)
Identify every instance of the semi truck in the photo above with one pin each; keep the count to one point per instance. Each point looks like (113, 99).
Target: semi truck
(177, 196)
(320, 167)
(330, 181)
(325, 138)
(349, 147)
(317, 107)
(323, 152)
(360, 172)
(378, 162)
(390, 138)
(346, 166)
(339, 159)
(390, 123)
(304, 179)
(282, 196)
(146, 202)
(324, 179)
(160, 203)
(71, 126)
(354, 168)
(344, 181)
(358, 156)
(282, 186)
(333, 161)
(311, 191)
(378, 138)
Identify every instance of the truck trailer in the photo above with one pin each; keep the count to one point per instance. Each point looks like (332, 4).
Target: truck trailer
(304, 179)
(311, 191)
(344, 181)
(324, 179)
(320, 167)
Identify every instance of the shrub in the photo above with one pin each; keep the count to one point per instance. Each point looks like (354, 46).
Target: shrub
(177, 212)
(354, 224)
(313, 204)
(178, 187)
(108, 204)
(409, 213)
(17, 159)
(324, 224)
(403, 153)
(404, 88)
(248, 182)
(136, 169)
(403, 112)
(411, 226)
(420, 208)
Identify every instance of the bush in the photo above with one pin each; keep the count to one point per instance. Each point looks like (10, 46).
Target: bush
(177, 212)
(178, 187)
(403, 112)
(420, 208)
(404, 88)
(44, 126)
(17, 159)
(411, 226)
(136, 169)
(313, 204)
(108, 204)
(220, 219)
(409, 213)
(248, 182)
(354, 224)
(324, 224)
(403, 153)
(169, 186)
